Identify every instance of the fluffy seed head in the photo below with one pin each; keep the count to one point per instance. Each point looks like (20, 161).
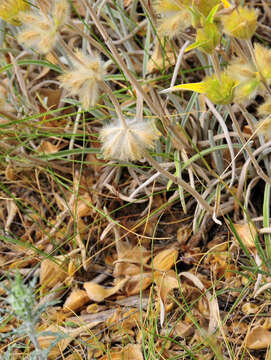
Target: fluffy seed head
(40, 31)
(9, 10)
(174, 16)
(240, 23)
(84, 79)
(128, 143)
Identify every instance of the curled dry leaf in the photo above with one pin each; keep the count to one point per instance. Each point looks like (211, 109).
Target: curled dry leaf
(46, 147)
(250, 308)
(165, 283)
(258, 338)
(165, 259)
(51, 273)
(98, 292)
(129, 352)
(183, 329)
(130, 259)
(75, 300)
(138, 283)
(213, 304)
(247, 234)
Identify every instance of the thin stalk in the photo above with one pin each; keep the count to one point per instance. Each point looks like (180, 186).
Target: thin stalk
(180, 182)
(245, 144)
(216, 65)
(115, 102)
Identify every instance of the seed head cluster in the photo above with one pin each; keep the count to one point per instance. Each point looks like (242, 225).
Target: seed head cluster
(84, 79)
(40, 31)
(127, 143)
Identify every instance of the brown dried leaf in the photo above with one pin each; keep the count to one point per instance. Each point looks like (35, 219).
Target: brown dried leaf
(130, 259)
(98, 293)
(165, 259)
(75, 300)
(138, 283)
(51, 273)
(46, 147)
(247, 233)
(258, 338)
(250, 308)
(184, 330)
(165, 283)
(130, 352)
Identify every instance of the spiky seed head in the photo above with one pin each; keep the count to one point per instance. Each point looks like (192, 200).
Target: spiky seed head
(10, 9)
(84, 79)
(208, 37)
(128, 143)
(240, 23)
(174, 16)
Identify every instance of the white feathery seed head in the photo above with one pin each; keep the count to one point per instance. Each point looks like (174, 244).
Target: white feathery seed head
(40, 31)
(128, 143)
(84, 79)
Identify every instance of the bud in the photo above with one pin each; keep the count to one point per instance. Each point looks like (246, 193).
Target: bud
(240, 23)
(9, 10)
(208, 38)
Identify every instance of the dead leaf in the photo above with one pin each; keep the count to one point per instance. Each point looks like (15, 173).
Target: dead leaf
(130, 352)
(51, 273)
(46, 147)
(130, 259)
(247, 233)
(138, 283)
(184, 330)
(165, 259)
(75, 300)
(250, 308)
(98, 292)
(258, 338)
(166, 283)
